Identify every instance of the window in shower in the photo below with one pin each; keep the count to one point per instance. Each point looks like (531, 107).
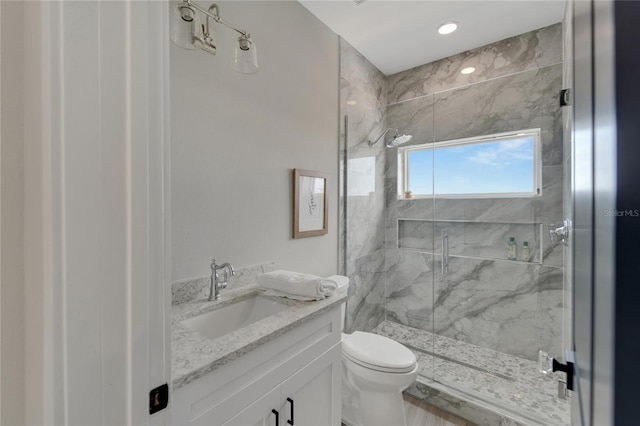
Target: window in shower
(499, 165)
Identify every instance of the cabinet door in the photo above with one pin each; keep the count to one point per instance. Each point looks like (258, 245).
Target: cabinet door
(260, 412)
(312, 395)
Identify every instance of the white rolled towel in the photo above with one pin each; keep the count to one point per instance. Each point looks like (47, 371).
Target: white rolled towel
(341, 281)
(296, 285)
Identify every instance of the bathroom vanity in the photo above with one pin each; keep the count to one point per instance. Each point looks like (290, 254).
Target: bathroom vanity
(282, 369)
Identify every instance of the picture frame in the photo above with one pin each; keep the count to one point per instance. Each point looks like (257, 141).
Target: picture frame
(310, 203)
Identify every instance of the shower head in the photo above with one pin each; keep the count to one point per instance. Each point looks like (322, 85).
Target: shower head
(397, 139)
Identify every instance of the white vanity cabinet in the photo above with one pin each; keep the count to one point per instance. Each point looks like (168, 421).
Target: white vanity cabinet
(260, 413)
(304, 399)
(297, 374)
(309, 394)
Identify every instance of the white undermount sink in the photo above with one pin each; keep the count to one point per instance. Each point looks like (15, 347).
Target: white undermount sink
(233, 317)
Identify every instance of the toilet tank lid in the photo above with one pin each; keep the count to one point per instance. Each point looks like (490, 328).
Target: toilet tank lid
(378, 350)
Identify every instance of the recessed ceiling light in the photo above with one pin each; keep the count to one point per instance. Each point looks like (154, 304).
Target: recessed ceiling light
(351, 102)
(468, 70)
(448, 27)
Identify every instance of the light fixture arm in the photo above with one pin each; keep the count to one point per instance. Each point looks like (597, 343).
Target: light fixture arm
(371, 143)
(215, 15)
(207, 31)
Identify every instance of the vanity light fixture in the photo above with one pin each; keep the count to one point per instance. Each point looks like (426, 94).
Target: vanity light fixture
(467, 70)
(245, 58)
(187, 32)
(448, 27)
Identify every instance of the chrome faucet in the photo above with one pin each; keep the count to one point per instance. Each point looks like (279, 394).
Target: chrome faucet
(216, 285)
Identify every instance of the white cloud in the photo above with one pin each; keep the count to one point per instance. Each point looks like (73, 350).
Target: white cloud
(502, 153)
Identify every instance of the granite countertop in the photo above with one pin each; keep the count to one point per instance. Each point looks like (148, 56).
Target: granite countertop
(193, 355)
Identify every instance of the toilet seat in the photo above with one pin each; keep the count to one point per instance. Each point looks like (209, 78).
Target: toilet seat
(378, 353)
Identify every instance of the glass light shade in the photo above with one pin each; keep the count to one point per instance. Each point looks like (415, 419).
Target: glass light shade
(245, 57)
(183, 33)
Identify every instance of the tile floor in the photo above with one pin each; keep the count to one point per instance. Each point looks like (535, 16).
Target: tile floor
(421, 413)
(511, 386)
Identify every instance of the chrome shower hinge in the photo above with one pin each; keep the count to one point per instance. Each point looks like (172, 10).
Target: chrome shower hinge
(561, 232)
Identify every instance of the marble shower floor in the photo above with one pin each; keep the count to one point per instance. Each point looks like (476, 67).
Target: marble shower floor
(508, 385)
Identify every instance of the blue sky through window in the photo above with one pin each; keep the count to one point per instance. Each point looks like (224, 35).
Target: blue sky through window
(500, 166)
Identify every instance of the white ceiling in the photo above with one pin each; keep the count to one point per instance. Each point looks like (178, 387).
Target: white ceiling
(397, 35)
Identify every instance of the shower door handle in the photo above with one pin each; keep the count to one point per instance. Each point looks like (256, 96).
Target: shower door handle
(444, 234)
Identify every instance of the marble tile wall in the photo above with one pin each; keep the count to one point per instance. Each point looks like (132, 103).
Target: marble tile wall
(518, 101)
(512, 307)
(363, 103)
(533, 50)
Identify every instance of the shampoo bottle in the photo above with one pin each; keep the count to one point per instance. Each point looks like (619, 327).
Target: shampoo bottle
(525, 251)
(511, 249)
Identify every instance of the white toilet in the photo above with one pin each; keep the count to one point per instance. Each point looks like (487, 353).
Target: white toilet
(375, 371)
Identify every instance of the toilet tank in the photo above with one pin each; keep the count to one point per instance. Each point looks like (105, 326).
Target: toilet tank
(343, 283)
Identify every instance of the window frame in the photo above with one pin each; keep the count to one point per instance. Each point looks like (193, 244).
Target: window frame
(403, 165)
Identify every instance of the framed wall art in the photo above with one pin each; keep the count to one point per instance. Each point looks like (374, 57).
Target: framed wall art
(310, 207)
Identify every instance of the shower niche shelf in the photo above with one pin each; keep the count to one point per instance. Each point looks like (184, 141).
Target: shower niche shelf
(479, 240)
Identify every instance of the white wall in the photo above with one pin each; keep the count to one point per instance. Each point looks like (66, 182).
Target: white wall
(37, 242)
(108, 142)
(235, 139)
(96, 287)
(12, 295)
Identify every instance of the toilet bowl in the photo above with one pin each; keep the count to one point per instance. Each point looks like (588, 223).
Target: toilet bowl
(375, 371)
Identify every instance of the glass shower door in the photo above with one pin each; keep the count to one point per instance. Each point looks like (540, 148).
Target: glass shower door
(410, 243)
(499, 292)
